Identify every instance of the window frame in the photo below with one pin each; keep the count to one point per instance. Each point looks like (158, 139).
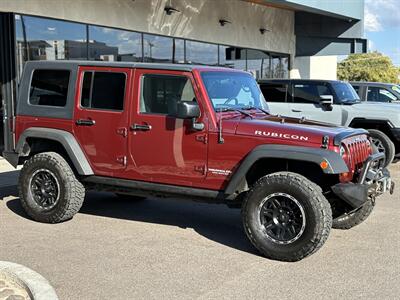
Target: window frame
(93, 71)
(293, 96)
(141, 89)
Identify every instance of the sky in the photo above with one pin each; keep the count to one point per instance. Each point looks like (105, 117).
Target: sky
(382, 27)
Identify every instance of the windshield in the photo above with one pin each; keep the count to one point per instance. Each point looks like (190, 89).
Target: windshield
(345, 92)
(233, 90)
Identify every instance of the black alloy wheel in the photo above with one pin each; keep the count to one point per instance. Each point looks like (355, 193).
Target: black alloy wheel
(44, 188)
(282, 217)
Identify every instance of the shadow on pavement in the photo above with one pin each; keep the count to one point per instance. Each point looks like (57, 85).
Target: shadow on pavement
(215, 222)
(8, 184)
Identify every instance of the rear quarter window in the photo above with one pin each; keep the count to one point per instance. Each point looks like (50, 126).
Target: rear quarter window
(49, 87)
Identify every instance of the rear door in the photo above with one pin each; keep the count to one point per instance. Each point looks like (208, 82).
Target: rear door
(101, 117)
(165, 149)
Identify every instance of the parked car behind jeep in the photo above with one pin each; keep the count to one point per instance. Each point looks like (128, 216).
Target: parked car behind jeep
(338, 103)
(377, 91)
(196, 132)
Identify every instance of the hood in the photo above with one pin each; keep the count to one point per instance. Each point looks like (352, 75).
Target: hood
(291, 129)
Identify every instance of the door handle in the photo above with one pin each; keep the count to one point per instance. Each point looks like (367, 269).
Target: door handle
(296, 110)
(140, 127)
(85, 122)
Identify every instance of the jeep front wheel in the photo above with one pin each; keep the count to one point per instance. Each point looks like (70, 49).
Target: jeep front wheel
(48, 188)
(286, 217)
(383, 144)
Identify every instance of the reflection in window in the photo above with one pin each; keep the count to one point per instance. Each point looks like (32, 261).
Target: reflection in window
(48, 39)
(280, 67)
(232, 57)
(179, 51)
(258, 64)
(157, 48)
(114, 45)
(201, 53)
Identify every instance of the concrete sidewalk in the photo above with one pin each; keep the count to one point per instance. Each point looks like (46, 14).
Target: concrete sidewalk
(167, 249)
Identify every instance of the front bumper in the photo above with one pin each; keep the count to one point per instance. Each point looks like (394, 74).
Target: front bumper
(373, 182)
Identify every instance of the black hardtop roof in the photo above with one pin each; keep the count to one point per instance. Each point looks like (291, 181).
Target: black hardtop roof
(121, 64)
(298, 81)
(362, 83)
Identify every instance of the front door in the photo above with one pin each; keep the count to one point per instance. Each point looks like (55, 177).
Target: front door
(305, 101)
(101, 117)
(165, 149)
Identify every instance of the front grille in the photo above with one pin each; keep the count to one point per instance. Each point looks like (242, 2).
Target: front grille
(358, 149)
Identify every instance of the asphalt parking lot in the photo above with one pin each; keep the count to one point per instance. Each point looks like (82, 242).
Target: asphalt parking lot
(166, 249)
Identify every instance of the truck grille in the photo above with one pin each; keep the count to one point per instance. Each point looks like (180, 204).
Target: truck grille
(358, 149)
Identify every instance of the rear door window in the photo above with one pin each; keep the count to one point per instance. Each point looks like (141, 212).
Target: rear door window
(103, 90)
(376, 94)
(49, 87)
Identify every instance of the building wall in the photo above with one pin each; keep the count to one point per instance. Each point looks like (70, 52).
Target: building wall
(315, 67)
(198, 19)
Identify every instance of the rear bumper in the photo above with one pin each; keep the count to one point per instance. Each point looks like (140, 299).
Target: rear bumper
(373, 182)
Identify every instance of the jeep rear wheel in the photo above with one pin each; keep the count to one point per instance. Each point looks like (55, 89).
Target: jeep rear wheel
(352, 219)
(48, 188)
(286, 217)
(383, 144)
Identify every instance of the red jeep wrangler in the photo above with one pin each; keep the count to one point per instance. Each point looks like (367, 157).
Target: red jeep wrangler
(196, 132)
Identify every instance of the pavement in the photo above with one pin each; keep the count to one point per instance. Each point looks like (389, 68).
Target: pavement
(168, 249)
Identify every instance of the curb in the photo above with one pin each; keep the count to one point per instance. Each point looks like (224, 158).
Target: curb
(36, 284)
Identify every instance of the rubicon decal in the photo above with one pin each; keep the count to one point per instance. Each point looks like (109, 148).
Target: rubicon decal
(287, 136)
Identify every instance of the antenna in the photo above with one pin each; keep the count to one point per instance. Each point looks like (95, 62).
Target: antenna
(220, 138)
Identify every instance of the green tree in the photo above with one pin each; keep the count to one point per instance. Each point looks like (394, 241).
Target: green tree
(372, 66)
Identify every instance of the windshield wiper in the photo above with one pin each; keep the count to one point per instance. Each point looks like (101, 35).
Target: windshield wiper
(249, 107)
(235, 109)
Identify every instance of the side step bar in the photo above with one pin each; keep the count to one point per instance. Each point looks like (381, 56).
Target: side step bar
(156, 189)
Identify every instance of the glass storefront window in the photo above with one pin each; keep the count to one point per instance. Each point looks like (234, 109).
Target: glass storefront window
(48, 39)
(232, 57)
(258, 63)
(109, 44)
(179, 51)
(280, 67)
(199, 53)
(157, 48)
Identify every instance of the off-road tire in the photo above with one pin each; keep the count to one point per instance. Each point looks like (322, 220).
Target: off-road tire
(386, 143)
(347, 221)
(71, 191)
(316, 207)
(127, 197)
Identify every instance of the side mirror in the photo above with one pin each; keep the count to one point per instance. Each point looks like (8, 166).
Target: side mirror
(187, 110)
(327, 102)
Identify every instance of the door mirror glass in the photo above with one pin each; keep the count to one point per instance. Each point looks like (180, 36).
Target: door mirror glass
(187, 110)
(327, 102)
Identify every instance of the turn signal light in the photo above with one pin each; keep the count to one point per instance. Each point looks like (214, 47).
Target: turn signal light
(324, 165)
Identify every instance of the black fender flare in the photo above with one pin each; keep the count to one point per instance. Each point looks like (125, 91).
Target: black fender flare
(66, 139)
(336, 164)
